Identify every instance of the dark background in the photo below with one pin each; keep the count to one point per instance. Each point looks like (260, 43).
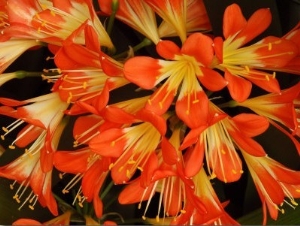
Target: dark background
(243, 196)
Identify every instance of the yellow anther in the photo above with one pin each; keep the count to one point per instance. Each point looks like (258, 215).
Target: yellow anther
(121, 168)
(80, 204)
(294, 202)
(60, 175)
(110, 166)
(31, 207)
(234, 171)
(195, 101)
(269, 46)
(212, 176)
(274, 74)
(160, 105)
(113, 143)
(143, 217)
(4, 129)
(2, 137)
(247, 68)
(157, 218)
(128, 173)
(131, 161)
(267, 78)
(70, 97)
(183, 211)
(12, 147)
(84, 85)
(64, 191)
(11, 186)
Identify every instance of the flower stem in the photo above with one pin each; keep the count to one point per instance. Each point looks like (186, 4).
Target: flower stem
(107, 189)
(25, 74)
(142, 44)
(111, 20)
(229, 104)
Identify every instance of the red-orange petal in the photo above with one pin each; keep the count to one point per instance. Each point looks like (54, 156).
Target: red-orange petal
(142, 71)
(238, 87)
(247, 144)
(248, 124)
(257, 23)
(199, 46)
(233, 20)
(108, 143)
(211, 79)
(194, 159)
(167, 49)
(193, 109)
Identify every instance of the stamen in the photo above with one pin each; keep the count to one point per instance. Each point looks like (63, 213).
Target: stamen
(11, 127)
(33, 200)
(72, 183)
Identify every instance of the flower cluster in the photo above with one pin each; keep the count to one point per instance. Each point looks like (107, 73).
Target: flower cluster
(175, 134)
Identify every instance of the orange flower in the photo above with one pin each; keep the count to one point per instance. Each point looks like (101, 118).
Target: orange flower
(273, 182)
(176, 191)
(12, 49)
(135, 13)
(279, 108)
(84, 70)
(294, 65)
(240, 62)
(53, 21)
(131, 145)
(180, 76)
(218, 142)
(63, 219)
(88, 166)
(173, 12)
(215, 213)
(41, 113)
(196, 20)
(276, 106)
(34, 169)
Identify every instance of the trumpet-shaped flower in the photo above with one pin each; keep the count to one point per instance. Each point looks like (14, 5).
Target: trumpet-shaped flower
(137, 14)
(53, 21)
(132, 145)
(215, 213)
(12, 49)
(173, 12)
(176, 191)
(279, 108)
(85, 70)
(241, 64)
(63, 219)
(41, 113)
(88, 166)
(27, 170)
(293, 66)
(273, 182)
(196, 20)
(297, 109)
(218, 142)
(276, 106)
(179, 76)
